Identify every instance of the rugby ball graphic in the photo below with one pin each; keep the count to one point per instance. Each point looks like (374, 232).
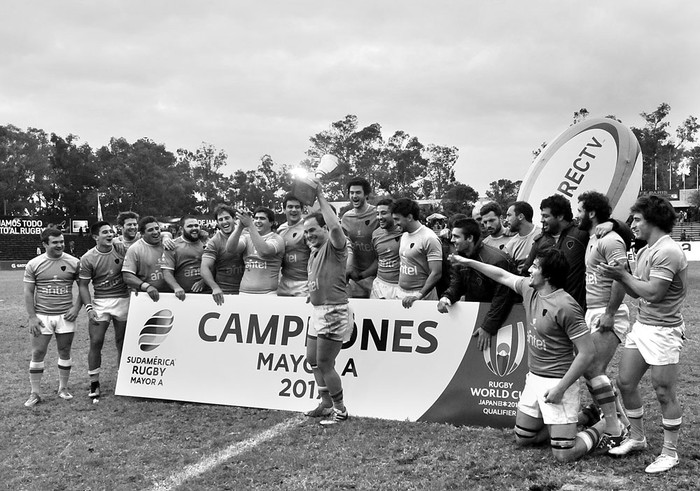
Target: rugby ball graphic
(155, 330)
(593, 155)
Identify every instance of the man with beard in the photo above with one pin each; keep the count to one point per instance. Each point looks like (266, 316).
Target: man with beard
(331, 321)
(491, 219)
(144, 260)
(358, 224)
(519, 218)
(476, 286)
(102, 265)
(183, 263)
(606, 316)
(262, 251)
(128, 222)
(222, 270)
(48, 298)
(385, 241)
(660, 281)
(420, 254)
(294, 280)
(559, 350)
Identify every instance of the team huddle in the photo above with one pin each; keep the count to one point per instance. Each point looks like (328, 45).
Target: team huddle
(571, 275)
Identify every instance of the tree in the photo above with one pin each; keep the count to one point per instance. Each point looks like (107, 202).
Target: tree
(404, 163)
(460, 199)
(24, 157)
(503, 192)
(210, 183)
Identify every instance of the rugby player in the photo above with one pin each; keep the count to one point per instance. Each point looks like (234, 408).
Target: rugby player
(48, 298)
(420, 254)
(475, 286)
(222, 270)
(294, 281)
(519, 218)
(559, 351)
(385, 242)
(656, 339)
(144, 260)
(358, 224)
(102, 265)
(128, 222)
(606, 316)
(262, 251)
(491, 219)
(182, 266)
(331, 321)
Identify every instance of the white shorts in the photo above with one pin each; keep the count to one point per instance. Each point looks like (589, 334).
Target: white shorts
(332, 321)
(56, 324)
(621, 320)
(657, 345)
(384, 290)
(108, 309)
(401, 293)
(360, 289)
(532, 401)
(292, 288)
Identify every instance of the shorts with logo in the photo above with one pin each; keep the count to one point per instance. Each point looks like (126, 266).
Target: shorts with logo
(621, 322)
(401, 293)
(55, 324)
(333, 322)
(108, 309)
(658, 345)
(292, 288)
(360, 289)
(532, 401)
(384, 290)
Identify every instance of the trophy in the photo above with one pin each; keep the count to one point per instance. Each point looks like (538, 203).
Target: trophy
(304, 188)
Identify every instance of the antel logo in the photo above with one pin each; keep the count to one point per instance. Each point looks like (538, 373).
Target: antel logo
(506, 354)
(155, 330)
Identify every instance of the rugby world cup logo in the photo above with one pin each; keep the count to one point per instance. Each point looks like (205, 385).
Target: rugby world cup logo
(155, 330)
(506, 354)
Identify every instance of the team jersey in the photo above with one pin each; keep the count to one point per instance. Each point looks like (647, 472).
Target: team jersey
(519, 246)
(553, 322)
(228, 266)
(262, 272)
(497, 242)
(326, 271)
(296, 252)
(665, 260)
(146, 262)
(386, 247)
(127, 243)
(185, 260)
(358, 228)
(416, 250)
(53, 282)
(605, 250)
(104, 269)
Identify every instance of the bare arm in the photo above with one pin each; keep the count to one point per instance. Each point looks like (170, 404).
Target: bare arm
(206, 271)
(169, 278)
(84, 290)
(430, 282)
(233, 243)
(34, 323)
(337, 237)
(585, 352)
(652, 291)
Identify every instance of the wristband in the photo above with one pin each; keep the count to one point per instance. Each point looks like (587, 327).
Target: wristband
(147, 287)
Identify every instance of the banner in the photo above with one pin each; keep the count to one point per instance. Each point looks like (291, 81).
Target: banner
(401, 364)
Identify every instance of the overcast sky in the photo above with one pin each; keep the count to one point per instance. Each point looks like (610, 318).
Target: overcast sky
(493, 78)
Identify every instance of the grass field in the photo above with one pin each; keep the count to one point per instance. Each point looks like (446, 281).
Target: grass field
(127, 443)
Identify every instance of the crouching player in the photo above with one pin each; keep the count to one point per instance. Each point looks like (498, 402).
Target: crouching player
(559, 348)
(103, 266)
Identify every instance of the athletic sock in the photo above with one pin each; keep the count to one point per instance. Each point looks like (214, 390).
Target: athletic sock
(64, 367)
(94, 375)
(603, 394)
(326, 400)
(591, 436)
(338, 401)
(671, 430)
(636, 417)
(36, 372)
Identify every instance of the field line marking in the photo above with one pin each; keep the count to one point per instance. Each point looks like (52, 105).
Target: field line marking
(221, 456)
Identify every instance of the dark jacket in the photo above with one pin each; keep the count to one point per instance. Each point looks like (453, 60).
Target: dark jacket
(477, 287)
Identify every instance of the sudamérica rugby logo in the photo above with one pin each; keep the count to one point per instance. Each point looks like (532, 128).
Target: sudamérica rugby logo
(155, 330)
(506, 354)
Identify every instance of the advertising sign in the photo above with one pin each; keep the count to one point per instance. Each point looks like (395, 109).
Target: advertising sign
(402, 364)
